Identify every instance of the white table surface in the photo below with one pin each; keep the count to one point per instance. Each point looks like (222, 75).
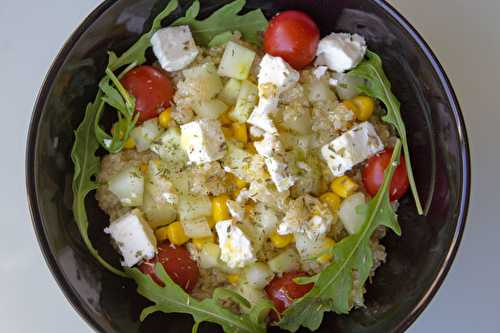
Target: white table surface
(463, 33)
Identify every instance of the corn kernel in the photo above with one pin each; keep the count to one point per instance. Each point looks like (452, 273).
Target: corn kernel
(344, 186)
(224, 119)
(199, 242)
(249, 207)
(332, 200)
(144, 168)
(211, 222)
(249, 147)
(176, 234)
(233, 278)
(235, 193)
(350, 105)
(161, 234)
(240, 183)
(129, 144)
(240, 132)
(164, 117)
(328, 243)
(220, 212)
(365, 106)
(228, 132)
(281, 241)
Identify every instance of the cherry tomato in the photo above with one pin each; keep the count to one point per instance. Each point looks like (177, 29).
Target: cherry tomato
(151, 88)
(293, 36)
(283, 291)
(373, 175)
(177, 263)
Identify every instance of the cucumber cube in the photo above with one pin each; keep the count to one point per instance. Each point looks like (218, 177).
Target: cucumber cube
(236, 61)
(229, 94)
(246, 102)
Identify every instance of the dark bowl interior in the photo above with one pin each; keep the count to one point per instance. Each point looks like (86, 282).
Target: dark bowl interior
(417, 261)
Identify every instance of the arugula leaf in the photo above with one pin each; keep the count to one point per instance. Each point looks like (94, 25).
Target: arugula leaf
(226, 19)
(86, 167)
(333, 286)
(378, 86)
(220, 39)
(173, 298)
(83, 153)
(124, 103)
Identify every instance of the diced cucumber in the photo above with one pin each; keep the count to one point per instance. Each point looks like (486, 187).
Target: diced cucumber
(160, 197)
(230, 93)
(128, 186)
(168, 147)
(251, 294)
(209, 255)
(181, 182)
(145, 134)
(197, 228)
(346, 85)
(205, 80)
(258, 275)
(211, 109)
(246, 102)
(318, 91)
(236, 61)
(193, 207)
(297, 119)
(286, 261)
(348, 212)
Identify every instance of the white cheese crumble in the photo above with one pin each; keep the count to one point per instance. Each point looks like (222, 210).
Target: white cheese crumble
(203, 141)
(351, 148)
(236, 249)
(341, 51)
(174, 47)
(275, 76)
(276, 161)
(134, 237)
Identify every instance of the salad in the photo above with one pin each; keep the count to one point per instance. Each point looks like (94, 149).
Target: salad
(251, 171)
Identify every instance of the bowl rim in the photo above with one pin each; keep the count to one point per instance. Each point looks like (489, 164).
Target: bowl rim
(386, 7)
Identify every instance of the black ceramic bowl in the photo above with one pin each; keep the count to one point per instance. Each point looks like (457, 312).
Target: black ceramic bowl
(417, 262)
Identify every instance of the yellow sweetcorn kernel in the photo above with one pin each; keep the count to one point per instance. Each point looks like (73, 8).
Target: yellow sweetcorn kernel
(365, 107)
(240, 183)
(129, 144)
(328, 243)
(350, 105)
(249, 207)
(281, 241)
(164, 117)
(144, 168)
(249, 147)
(199, 242)
(176, 233)
(240, 132)
(211, 222)
(161, 234)
(332, 200)
(344, 186)
(220, 212)
(228, 132)
(224, 119)
(233, 278)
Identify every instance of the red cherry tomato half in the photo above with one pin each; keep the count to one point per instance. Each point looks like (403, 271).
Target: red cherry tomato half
(373, 175)
(283, 291)
(151, 88)
(293, 36)
(177, 263)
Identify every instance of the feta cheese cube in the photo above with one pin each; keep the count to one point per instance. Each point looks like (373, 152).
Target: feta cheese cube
(134, 237)
(203, 140)
(276, 161)
(275, 76)
(235, 248)
(278, 72)
(341, 51)
(351, 148)
(174, 47)
(319, 72)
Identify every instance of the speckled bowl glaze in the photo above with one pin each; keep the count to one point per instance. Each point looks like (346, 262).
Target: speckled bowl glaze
(417, 262)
